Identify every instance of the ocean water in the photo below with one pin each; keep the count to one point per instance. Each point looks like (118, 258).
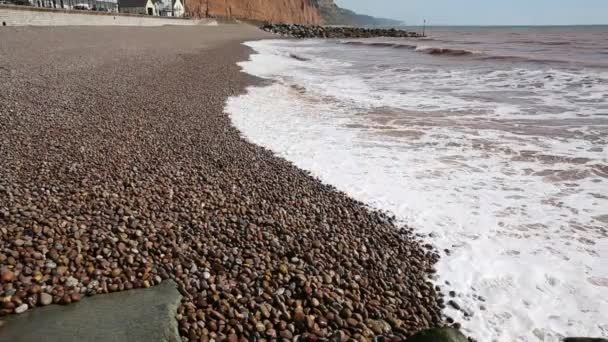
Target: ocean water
(491, 142)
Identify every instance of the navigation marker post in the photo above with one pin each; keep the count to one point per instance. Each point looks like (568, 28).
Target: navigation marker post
(424, 28)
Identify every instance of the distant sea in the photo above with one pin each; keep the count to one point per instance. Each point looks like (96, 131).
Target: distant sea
(492, 142)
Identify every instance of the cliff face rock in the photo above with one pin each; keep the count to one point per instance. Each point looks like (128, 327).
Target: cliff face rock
(311, 12)
(279, 11)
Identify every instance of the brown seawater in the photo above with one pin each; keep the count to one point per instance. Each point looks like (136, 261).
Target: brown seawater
(493, 142)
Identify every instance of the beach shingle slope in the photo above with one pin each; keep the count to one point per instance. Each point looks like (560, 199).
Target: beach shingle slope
(119, 169)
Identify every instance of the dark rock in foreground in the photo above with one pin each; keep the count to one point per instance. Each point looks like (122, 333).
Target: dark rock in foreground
(315, 31)
(138, 315)
(584, 339)
(438, 335)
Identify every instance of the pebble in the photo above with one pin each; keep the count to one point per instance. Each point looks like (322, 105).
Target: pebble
(21, 309)
(284, 269)
(271, 333)
(71, 282)
(46, 299)
(454, 304)
(7, 276)
(61, 270)
(379, 326)
(75, 297)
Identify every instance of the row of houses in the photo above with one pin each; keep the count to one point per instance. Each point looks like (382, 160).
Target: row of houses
(166, 8)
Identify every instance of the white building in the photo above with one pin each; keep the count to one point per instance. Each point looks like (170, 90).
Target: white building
(147, 7)
(170, 8)
(178, 8)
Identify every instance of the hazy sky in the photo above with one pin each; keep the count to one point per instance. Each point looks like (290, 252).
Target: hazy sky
(486, 12)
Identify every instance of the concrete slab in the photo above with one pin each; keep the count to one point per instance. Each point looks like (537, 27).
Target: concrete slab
(137, 315)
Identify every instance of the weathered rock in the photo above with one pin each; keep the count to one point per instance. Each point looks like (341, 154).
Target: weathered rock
(584, 339)
(138, 315)
(438, 335)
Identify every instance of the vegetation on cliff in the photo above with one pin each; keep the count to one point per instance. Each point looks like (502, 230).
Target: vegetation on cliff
(334, 15)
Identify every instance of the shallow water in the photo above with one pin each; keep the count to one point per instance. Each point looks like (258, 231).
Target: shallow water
(491, 142)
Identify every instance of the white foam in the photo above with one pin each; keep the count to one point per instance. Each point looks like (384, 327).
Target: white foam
(535, 248)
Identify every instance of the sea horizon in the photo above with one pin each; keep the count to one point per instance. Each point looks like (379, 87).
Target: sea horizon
(503, 26)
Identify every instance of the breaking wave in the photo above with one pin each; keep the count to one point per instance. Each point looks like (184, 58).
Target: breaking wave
(431, 50)
(380, 44)
(481, 55)
(536, 42)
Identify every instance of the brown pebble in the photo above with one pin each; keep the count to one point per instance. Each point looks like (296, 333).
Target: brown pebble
(286, 334)
(66, 299)
(7, 276)
(75, 297)
(271, 333)
(352, 322)
(61, 270)
(284, 269)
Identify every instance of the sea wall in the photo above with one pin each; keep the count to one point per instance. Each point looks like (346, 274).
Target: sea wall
(283, 11)
(28, 16)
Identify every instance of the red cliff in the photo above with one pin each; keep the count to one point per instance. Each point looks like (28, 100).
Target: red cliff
(278, 11)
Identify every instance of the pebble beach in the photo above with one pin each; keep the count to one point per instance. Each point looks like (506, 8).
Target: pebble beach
(120, 170)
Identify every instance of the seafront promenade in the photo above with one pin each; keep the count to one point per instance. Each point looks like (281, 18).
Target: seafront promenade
(33, 16)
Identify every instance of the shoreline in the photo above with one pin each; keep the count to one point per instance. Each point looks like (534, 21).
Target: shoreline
(122, 170)
(363, 156)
